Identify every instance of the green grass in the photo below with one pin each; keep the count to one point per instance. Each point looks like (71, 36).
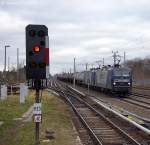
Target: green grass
(11, 109)
(55, 118)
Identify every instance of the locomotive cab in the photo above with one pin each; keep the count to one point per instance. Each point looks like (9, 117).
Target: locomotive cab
(122, 80)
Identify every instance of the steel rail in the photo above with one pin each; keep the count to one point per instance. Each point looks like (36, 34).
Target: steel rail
(96, 139)
(110, 122)
(135, 102)
(140, 95)
(122, 110)
(141, 101)
(59, 89)
(105, 119)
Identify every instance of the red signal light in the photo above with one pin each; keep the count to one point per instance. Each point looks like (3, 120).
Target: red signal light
(36, 48)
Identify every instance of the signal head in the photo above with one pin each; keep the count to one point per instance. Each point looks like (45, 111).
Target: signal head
(35, 51)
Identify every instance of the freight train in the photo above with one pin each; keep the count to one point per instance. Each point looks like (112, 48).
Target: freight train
(114, 79)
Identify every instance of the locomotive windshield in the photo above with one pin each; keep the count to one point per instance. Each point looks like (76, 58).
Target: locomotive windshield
(122, 72)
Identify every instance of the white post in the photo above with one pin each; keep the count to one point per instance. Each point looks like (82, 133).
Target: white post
(26, 90)
(3, 92)
(22, 93)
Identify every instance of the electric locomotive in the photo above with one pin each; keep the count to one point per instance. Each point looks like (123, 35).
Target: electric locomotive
(114, 79)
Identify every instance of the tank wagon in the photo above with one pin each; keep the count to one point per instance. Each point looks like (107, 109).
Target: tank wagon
(116, 79)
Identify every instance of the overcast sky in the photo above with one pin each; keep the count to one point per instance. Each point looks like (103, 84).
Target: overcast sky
(85, 29)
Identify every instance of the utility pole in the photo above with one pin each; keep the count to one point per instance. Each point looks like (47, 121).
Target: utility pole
(5, 62)
(124, 58)
(8, 63)
(86, 66)
(74, 79)
(103, 61)
(17, 65)
(114, 56)
(5, 57)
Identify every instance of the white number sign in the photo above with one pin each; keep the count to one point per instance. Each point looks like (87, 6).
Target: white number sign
(37, 108)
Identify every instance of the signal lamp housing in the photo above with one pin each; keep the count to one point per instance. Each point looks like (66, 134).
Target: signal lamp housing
(41, 33)
(35, 51)
(32, 33)
(33, 64)
(42, 64)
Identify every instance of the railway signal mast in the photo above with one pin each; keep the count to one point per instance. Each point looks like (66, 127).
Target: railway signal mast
(37, 66)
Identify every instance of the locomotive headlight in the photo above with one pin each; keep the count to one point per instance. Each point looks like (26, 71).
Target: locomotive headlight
(129, 83)
(114, 83)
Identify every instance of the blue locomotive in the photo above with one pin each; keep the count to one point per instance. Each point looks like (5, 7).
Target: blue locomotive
(114, 79)
(117, 80)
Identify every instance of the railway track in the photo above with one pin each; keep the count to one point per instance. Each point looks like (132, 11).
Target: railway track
(140, 95)
(124, 112)
(139, 100)
(142, 87)
(99, 127)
